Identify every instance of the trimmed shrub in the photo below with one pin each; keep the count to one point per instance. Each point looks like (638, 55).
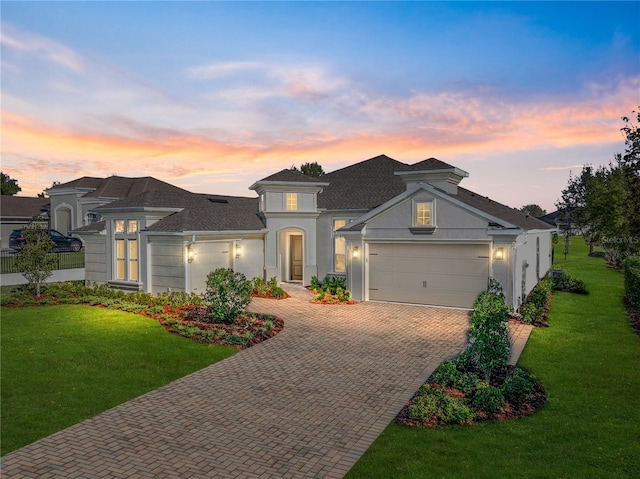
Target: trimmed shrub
(274, 288)
(488, 398)
(260, 286)
(330, 284)
(570, 285)
(447, 374)
(540, 294)
(315, 283)
(632, 280)
(531, 313)
(227, 294)
(435, 403)
(518, 387)
(489, 344)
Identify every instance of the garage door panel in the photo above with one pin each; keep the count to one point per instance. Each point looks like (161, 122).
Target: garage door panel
(445, 275)
(417, 265)
(207, 258)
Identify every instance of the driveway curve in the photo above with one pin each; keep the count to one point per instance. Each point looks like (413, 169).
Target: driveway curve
(304, 404)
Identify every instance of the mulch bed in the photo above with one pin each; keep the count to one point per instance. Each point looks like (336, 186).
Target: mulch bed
(508, 412)
(198, 316)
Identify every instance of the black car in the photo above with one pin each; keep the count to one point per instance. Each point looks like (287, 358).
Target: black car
(62, 242)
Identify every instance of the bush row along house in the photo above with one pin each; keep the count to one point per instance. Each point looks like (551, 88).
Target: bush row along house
(396, 232)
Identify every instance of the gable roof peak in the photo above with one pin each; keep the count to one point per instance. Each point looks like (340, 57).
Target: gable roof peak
(430, 164)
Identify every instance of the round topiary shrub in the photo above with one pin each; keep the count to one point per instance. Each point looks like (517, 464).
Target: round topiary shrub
(227, 294)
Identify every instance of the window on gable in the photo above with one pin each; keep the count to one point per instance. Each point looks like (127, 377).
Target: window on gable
(126, 250)
(339, 247)
(423, 216)
(292, 201)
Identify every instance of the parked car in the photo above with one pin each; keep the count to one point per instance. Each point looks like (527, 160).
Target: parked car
(62, 242)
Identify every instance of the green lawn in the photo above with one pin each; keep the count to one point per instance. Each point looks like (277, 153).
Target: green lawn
(589, 362)
(63, 364)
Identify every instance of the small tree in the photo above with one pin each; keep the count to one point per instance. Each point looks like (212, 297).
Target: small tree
(34, 260)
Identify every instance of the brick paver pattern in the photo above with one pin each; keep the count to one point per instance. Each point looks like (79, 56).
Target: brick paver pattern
(304, 404)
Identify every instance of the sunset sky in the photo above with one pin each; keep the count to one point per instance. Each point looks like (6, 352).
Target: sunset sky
(212, 96)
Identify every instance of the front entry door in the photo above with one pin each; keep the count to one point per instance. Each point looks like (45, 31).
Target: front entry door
(296, 257)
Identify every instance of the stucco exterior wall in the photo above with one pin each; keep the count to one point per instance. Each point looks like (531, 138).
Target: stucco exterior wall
(166, 263)
(276, 201)
(95, 258)
(325, 242)
(532, 258)
(276, 250)
(62, 203)
(451, 222)
(251, 261)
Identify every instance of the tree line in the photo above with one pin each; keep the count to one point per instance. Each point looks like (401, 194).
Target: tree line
(603, 204)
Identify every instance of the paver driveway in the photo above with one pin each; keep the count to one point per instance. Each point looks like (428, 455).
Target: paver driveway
(306, 403)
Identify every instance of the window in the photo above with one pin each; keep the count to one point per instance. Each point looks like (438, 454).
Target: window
(126, 250)
(423, 214)
(292, 201)
(340, 248)
(91, 218)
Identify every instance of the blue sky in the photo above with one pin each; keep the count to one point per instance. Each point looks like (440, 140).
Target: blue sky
(212, 96)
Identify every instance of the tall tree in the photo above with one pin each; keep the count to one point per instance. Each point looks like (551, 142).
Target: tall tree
(605, 204)
(533, 210)
(630, 163)
(573, 206)
(8, 185)
(313, 170)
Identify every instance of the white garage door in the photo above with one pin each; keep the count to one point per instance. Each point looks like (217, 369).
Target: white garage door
(207, 258)
(438, 274)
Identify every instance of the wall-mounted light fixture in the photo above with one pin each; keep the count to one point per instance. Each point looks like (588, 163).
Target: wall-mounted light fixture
(238, 250)
(355, 252)
(498, 254)
(190, 254)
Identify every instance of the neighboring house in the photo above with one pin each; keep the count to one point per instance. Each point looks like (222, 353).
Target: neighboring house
(558, 220)
(17, 212)
(72, 203)
(396, 232)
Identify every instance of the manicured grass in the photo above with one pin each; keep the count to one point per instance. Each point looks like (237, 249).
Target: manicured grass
(63, 364)
(588, 360)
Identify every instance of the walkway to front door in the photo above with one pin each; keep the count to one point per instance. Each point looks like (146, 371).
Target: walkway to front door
(305, 404)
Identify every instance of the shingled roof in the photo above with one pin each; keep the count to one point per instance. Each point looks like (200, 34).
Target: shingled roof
(506, 213)
(195, 212)
(22, 206)
(368, 184)
(292, 176)
(117, 186)
(362, 186)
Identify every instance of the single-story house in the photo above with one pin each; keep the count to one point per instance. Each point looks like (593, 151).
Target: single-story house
(17, 212)
(396, 232)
